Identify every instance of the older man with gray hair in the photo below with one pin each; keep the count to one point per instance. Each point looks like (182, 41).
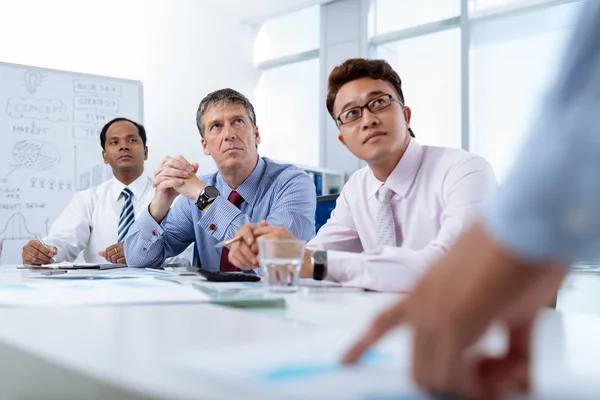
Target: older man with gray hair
(246, 189)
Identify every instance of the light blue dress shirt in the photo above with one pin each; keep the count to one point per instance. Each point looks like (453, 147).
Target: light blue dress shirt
(279, 193)
(550, 205)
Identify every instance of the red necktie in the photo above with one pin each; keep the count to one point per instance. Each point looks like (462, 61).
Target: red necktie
(236, 200)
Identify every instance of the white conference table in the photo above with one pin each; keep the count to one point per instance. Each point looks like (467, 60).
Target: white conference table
(123, 351)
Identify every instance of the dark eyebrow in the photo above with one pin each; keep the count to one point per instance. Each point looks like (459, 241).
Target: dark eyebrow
(370, 94)
(113, 137)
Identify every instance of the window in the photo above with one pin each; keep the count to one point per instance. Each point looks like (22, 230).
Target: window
(287, 112)
(479, 5)
(513, 52)
(286, 97)
(287, 35)
(513, 61)
(429, 67)
(393, 15)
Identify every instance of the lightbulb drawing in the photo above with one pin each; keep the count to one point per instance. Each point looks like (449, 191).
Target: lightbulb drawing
(32, 80)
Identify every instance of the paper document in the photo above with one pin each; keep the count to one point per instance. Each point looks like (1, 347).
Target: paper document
(78, 265)
(235, 294)
(70, 274)
(96, 292)
(309, 282)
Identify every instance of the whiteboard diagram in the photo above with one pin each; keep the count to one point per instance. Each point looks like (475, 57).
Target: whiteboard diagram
(53, 110)
(35, 155)
(86, 176)
(32, 80)
(16, 229)
(50, 122)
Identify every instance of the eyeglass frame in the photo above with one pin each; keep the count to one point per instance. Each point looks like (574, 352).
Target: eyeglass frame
(360, 108)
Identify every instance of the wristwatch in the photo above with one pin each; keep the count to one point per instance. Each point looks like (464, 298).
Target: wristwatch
(208, 195)
(319, 262)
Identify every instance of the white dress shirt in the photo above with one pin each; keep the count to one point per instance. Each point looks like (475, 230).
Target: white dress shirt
(436, 192)
(90, 222)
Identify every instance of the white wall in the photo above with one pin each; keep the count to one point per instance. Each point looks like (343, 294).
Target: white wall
(179, 49)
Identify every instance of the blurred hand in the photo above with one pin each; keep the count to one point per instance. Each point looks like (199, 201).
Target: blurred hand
(115, 253)
(35, 253)
(453, 305)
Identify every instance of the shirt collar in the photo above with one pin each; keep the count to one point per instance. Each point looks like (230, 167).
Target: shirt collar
(248, 188)
(137, 187)
(403, 175)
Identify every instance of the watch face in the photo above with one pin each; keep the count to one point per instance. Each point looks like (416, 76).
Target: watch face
(320, 257)
(211, 192)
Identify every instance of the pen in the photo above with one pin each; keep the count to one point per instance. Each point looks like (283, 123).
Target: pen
(57, 272)
(228, 241)
(39, 239)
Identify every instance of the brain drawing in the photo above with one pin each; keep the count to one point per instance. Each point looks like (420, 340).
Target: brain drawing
(36, 155)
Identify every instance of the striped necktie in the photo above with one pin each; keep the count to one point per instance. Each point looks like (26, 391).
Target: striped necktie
(127, 216)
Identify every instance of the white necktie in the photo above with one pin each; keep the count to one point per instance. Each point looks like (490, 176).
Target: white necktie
(386, 230)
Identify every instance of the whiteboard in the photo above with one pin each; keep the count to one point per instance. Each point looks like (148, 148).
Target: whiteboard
(50, 124)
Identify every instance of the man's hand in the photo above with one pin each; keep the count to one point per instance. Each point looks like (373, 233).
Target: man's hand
(35, 253)
(115, 253)
(170, 175)
(453, 305)
(244, 253)
(279, 232)
(178, 174)
(271, 232)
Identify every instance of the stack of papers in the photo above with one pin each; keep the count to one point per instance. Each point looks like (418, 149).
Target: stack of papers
(120, 273)
(75, 265)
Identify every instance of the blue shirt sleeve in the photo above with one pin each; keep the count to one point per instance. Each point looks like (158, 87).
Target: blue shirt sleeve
(550, 205)
(149, 243)
(288, 202)
(294, 206)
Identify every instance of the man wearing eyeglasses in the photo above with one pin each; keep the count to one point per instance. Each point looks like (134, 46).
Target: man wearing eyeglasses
(399, 214)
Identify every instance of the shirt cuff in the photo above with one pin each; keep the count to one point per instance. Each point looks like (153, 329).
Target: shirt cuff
(148, 227)
(343, 266)
(60, 256)
(218, 217)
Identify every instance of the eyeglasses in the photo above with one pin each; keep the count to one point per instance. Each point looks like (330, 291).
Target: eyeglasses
(375, 105)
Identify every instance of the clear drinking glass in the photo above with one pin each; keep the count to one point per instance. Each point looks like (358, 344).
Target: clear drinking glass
(281, 260)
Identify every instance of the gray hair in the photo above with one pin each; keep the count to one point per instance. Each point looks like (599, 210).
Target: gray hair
(223, 97)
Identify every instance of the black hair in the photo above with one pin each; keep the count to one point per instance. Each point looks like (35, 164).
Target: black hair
(140, 128)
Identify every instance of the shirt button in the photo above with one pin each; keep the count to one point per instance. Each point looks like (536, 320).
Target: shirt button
(153, 233)
(212, 227)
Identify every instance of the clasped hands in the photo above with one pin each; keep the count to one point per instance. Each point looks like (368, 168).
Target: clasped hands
(177, 176)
